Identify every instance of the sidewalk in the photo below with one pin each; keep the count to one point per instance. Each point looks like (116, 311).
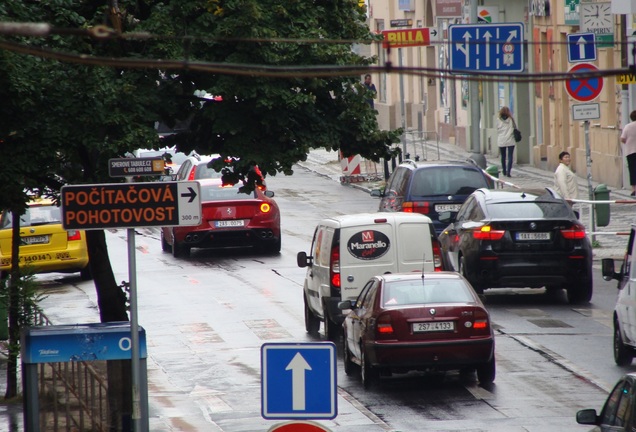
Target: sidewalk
(608, 244)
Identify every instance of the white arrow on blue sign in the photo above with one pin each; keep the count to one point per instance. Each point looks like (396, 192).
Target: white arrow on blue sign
(486, 47)
(581, 47)
(298, 381)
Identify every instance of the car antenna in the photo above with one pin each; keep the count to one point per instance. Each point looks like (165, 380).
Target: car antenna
(423, 266)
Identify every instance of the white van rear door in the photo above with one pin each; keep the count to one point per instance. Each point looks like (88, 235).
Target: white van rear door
(365, 251)
(414, 247)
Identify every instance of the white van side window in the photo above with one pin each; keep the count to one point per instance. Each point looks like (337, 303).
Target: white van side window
(326, 237)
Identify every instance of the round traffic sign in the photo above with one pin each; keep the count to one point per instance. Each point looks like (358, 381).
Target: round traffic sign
(584, 89)
(298, 426)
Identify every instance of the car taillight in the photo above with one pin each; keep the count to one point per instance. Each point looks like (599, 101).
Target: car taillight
(265, 208)
(487, 233)
(437, 256)
(480, 320)
(73, 235)
(576, 232)
(415, 207)
(191, 176)
(334, 267)
(384, 326)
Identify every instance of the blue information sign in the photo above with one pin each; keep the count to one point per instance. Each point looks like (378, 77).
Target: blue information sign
(581, 47)
(486, 47)
(298, 381)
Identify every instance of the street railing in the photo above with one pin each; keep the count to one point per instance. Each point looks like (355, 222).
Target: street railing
(73, 395)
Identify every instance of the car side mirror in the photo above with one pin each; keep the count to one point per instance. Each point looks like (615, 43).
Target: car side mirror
(587, 417)
(447, 216)
(303, 260)
(377, 193)
(269, 193)
(607, 269)
(346, 304)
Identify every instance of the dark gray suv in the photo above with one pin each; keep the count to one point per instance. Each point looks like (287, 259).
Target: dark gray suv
(431, 188)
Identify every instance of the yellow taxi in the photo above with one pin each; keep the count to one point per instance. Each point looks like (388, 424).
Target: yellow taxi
(44, 245)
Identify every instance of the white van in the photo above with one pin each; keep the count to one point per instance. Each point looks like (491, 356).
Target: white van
(346, 251)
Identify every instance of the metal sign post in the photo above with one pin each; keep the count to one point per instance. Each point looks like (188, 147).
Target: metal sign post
(588, 160)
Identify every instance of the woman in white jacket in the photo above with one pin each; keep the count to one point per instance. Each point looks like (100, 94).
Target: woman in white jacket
(565, 182)
(506, 139)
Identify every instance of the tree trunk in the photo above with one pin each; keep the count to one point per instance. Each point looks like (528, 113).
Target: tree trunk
(13, 308)
(111, 300)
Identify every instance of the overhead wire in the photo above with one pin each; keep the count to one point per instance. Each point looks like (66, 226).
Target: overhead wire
(270, 71)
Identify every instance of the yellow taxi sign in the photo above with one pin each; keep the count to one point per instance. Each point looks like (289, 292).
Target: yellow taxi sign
(629, 78)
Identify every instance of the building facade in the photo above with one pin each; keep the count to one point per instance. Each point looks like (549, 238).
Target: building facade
(437, 102)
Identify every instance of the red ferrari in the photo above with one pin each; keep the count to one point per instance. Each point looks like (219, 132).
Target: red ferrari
(229, 218)
(418, 321)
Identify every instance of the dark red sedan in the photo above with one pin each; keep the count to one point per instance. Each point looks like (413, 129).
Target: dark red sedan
(418, 321)
(229, 218)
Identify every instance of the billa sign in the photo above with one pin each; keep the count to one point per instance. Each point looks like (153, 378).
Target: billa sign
(408, 37)
(130, 205)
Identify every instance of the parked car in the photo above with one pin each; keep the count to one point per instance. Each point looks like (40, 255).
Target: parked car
(618, 411)
(347, 250)
(425, 322)
(430, 188)
(623, 319)
(45, 246)
(172, 159)
(528, 238)
(229, 218)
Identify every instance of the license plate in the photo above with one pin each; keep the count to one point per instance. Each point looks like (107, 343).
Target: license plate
(447, 207)
(35, 239)
(533, 236)
(437, 326)
(229, 223)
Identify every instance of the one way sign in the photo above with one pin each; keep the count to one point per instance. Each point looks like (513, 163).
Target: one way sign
(298, 381)
(581, 47)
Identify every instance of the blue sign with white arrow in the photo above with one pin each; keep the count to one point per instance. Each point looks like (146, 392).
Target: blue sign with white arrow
(486, 47)
(298, 381)
(581, 47)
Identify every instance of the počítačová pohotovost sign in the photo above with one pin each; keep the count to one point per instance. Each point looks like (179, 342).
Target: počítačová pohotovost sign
(130, 205)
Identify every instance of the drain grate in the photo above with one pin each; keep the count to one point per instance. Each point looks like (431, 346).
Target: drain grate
(549, 323)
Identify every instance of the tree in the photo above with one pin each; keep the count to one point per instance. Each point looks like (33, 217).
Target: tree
(79, 116)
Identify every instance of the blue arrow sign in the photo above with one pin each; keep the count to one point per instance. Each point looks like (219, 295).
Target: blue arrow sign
(486, 47)
(298, 381)
(581, 47)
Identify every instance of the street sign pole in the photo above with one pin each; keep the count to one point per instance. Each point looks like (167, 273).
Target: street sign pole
(402, 108)
(588, 160)
(475, 114)
(134, 337)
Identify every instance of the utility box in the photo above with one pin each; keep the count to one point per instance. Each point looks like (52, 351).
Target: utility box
(602, 211)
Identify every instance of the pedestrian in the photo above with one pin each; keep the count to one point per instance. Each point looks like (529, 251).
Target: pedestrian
(371, 88)
(565, 182)
(505, 139)
(628, 138)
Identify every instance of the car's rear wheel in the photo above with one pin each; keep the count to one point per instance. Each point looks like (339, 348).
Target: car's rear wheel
(486, 372)
(580, 292)
(312, 322)
(464, 272)
(368, 373)
(346, 355)
(332, 332)
(165, 246)
(180, 250)
(623, 355)
(86, 274)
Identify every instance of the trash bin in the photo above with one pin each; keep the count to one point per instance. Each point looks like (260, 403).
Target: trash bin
(602, 211)
(493, 170)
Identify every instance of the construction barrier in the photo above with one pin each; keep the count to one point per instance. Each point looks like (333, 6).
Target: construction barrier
(356, 169)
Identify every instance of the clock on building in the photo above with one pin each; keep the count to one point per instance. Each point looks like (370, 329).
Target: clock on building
(597, 18)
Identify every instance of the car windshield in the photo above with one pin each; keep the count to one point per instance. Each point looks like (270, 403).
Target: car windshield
(528, 210)
(424, 291)
(221, 193)
(203, 171)
(444, 180)
(35, 215)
